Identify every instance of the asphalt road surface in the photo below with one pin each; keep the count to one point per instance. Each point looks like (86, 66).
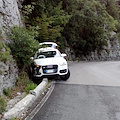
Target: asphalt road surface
(91, 93)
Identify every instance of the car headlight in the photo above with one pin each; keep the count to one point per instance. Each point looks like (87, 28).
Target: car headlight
(62, 63)
(37, 66)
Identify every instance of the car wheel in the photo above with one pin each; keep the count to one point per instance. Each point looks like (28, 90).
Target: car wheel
(65, 77)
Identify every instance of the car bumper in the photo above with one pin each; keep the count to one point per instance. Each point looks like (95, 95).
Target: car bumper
(55, 71)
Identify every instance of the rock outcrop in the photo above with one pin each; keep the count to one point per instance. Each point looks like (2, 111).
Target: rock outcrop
(111, 52)
(8, 75)
(9, 16)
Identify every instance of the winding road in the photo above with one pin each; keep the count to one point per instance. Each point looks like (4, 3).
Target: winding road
(91, 93)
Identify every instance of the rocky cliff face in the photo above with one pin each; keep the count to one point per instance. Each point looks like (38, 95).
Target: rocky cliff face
(8, 75)
(9, 16)
(111, 52)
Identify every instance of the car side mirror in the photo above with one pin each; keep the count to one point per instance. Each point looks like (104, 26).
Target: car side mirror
(63, 55)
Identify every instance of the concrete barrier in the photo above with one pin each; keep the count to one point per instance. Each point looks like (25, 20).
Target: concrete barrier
(26, 102)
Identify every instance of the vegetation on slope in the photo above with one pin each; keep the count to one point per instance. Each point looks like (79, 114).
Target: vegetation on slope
(84, 24)
(23, 45)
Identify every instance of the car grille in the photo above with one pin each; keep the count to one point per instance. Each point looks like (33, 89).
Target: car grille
(50, 69)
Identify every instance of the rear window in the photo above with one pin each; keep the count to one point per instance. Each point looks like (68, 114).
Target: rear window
(46, 45)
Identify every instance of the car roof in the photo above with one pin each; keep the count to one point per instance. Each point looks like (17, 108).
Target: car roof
(48, 43)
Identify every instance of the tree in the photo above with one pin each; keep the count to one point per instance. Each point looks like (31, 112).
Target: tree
(51, 20)
(88, 28)
(112, 8)
(85, 24)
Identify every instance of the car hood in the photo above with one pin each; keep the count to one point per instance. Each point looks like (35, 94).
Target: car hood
(49, 61)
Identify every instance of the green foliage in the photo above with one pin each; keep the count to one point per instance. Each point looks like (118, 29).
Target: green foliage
(27, 10)
(88, 28)
(112, 8)
(24, 83)
(85, 24)
(50, 20)
(30, 86)
(2, 105)
(118, 36)
(22, 80)
(48, 32)
(70, 6)
(4, 52)
(23, 46)
(14, 119)
(8, 92)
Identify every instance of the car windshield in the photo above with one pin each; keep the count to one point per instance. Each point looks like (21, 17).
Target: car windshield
(46, 54)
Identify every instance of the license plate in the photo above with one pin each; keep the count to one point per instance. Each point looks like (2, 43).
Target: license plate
(49, 66)
(49, 71)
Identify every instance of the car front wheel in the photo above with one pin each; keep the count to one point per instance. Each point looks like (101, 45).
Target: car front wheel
(65, 77)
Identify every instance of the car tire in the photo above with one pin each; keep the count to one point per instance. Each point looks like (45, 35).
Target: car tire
(65, 77)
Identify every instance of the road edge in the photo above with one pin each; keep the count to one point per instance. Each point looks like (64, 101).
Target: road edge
(41, 103)
(22, 106)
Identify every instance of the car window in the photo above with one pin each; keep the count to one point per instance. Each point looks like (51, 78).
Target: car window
(46, 45)
(46, 54)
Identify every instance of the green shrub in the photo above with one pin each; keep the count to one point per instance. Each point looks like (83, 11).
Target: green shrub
(4, 54)
(118, 36)
(22, 81)
(2, 105)
(30, 86)
(14, 119)
(8, 92)
(89, 27)
(23, 46)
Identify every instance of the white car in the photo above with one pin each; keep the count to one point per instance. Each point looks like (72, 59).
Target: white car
(48, 44)
(49, 62)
